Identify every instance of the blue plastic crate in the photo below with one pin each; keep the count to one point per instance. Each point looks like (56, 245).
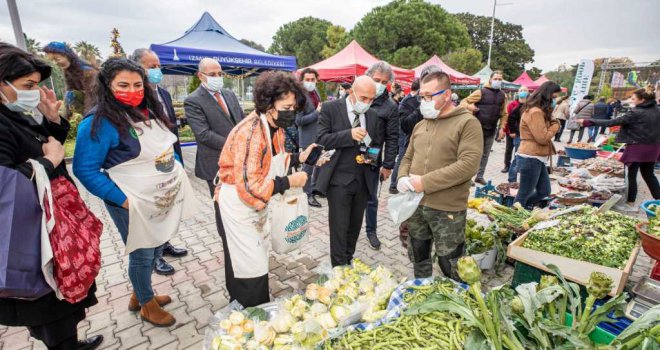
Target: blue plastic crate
(485, 192)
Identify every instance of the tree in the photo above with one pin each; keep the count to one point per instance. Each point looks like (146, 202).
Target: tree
(408, 57)
(89, 52)
(409, 23)
(253, 44)
(303, 38)
(117, 49)
(467, 61)
(334, 37)
(535, 72)
(510, 50)
(564, 76)
(32, 45)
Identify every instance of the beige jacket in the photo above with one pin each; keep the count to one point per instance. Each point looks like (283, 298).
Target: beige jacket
(536, 134)
(446, 152)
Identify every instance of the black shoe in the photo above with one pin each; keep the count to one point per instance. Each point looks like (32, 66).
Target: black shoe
(394, 191)
(171, 250)
(505, 170)
(163, 268)
(90, 343)
(480, 180)
(313, 202)
(374, 242)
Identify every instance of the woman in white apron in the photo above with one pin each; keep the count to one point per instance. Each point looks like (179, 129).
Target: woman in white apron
(125, 155)
(253, 167)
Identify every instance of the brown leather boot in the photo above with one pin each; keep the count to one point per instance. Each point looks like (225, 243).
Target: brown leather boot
(153, 313)
(134, 305)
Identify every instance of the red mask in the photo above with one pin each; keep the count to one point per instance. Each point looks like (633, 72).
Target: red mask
(130, 98)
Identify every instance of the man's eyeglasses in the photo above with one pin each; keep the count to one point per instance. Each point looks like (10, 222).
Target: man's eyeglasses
(428, 98)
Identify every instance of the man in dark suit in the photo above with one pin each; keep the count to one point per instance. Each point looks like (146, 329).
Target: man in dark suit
(408, 105)
(347, 125)
(307, 124)
(151, 64)
(212, 112)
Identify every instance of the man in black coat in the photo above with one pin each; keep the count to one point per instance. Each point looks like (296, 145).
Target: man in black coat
(408, 106)
(307, 125)
(151, 64)
(347, 125)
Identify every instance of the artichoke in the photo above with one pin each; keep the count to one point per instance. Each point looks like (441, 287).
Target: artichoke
(547, 281)
(468, 270)
(517, 305)
(599, 285)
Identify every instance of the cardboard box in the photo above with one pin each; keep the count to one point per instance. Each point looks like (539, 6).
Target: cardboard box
(573, 270)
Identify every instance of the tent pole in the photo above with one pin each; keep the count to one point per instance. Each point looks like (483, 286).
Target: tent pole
(492, 28)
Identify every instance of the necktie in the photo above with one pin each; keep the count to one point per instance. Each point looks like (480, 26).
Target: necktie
(223, 106)
(356, 120)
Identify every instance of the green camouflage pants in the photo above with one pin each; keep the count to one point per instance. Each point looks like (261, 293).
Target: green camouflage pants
(444, 229)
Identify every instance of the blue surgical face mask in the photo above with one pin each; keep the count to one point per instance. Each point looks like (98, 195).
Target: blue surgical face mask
(380, 88)
(155, 75)
(361, 107)
(554, 103)
(26, 100)
(523, 94)
(496, 84)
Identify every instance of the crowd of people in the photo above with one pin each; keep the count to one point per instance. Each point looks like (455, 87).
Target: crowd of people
(127, 154)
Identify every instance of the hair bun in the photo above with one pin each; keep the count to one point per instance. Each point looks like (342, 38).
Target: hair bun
(650, 89)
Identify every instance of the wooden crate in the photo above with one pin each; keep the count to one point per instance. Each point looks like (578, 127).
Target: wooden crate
(573, 270)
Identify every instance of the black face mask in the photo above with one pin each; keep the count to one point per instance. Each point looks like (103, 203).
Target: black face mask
(285, 119)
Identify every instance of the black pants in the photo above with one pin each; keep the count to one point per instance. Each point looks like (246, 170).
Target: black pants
(346, 211)
(61, 334)
(561, 130)
(508, 151)
(247, 291)
(580, 135)
(648, 174)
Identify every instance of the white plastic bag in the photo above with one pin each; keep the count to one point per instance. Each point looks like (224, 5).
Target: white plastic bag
(289, 220)
(403, 205)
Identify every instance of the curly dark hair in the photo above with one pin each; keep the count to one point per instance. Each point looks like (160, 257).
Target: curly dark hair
(308, 71)
(542, 98)
(272, 86)
(108, 107)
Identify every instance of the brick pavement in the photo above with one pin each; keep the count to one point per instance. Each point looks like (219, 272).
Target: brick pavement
(197, 288)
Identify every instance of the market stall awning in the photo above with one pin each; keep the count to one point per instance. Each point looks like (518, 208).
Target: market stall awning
(456, 77)
(525, 80)
(353, 61)
(207, 38)
(484, 75)
(542, 79)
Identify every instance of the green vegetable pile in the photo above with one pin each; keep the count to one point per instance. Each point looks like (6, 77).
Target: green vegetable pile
(605, 239)
(515, 218)
(419, 294)
(654, 222)
(478, 239)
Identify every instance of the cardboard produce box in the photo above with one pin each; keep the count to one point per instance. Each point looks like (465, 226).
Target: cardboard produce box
(574, 270)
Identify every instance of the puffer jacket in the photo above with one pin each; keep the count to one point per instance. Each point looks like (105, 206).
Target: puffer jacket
(639, 126)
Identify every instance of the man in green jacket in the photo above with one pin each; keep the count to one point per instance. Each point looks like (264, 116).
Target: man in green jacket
(443, 155)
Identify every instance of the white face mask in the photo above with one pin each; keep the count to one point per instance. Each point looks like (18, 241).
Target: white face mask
(309, 85)
(214, 84)
(380, 88)
(427, 108)
(26, 100)
(496, 84)
(360, 107)
(342, 93)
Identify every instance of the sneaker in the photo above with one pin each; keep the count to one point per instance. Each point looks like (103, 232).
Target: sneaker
(505, 170)
(374, 242)
(394, 191)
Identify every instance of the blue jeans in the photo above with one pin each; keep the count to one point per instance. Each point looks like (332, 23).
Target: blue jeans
(534, 182)
(513, 169)
(141, 262)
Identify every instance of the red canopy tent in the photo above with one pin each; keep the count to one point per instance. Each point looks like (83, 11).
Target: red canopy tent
(456, 77)
(525, 80)
(542, 79)
(353, 61)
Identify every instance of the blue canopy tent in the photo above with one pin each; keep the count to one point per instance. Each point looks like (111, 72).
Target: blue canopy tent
(208, 39)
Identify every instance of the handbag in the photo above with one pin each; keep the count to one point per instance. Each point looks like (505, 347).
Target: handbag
(21, 275)
(289, 220)
(571, 124)
(74, 233)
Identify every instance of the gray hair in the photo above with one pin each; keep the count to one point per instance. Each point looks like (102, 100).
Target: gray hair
(138, 54)
(428, 70)
(382, 67)
(204, 61)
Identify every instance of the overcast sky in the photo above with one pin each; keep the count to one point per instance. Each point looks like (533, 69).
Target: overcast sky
(559, 31)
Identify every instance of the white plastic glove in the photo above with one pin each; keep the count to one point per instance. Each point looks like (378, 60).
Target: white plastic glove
(404, 185)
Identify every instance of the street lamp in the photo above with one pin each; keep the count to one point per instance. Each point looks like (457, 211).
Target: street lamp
(492, 29)
(16, 24)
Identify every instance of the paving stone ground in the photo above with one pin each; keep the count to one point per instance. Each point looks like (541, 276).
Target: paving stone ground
(197, 287)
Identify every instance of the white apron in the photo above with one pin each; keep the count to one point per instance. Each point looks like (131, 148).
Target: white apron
(156, 186)
(247, 229)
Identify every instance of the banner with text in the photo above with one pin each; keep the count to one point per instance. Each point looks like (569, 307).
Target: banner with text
(585, 70)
